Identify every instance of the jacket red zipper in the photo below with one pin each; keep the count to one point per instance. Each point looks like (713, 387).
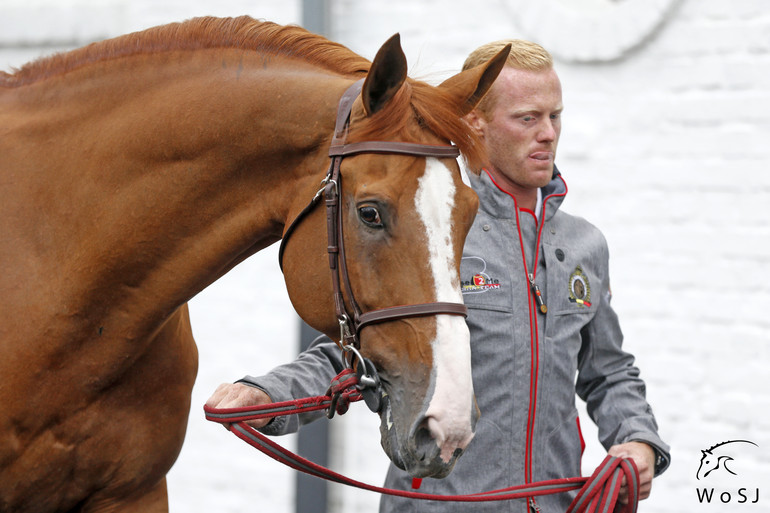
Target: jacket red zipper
(534, 353)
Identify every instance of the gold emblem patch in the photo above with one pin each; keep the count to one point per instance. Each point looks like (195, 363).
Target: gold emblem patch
(579, 288)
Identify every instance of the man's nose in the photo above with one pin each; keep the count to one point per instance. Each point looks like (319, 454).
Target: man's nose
(547, 132)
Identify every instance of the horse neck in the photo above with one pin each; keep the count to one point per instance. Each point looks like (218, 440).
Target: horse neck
(173, 167)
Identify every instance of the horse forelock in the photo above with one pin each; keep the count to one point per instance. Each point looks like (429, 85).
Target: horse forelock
(195, 34)
(434, 110)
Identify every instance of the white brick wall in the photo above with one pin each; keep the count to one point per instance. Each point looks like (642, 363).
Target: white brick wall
(665, 149)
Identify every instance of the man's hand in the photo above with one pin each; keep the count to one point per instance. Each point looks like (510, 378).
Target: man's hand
(644, 458)
(236, 395)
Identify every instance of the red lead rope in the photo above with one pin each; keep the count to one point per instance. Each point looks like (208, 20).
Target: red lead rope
(598, 493)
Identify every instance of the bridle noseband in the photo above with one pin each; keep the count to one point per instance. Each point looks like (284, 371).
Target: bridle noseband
(351, 323)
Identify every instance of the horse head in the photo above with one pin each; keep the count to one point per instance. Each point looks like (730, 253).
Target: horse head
(404, 220)
(710, 462)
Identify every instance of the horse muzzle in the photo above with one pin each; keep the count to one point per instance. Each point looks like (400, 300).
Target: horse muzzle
(429, 448)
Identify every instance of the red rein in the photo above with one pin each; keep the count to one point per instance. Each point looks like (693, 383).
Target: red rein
(597, 493)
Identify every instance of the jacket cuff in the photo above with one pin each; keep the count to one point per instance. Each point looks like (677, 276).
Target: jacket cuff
(276, 425)
(662, 452)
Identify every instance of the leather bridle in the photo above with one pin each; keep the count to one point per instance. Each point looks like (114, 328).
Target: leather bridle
(352, 322)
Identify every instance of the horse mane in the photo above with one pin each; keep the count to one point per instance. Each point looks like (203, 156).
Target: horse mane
(195, 34)
(434, 108)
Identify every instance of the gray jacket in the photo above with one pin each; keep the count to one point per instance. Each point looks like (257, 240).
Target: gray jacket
(525, 361)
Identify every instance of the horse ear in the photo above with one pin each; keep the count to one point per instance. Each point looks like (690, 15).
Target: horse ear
(386, 75)
(470, 86)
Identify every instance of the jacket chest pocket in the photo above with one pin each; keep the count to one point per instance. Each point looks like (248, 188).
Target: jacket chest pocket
(574, 285)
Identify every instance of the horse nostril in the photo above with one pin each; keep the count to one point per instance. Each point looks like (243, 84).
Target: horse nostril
(425, 445)
(428, 440)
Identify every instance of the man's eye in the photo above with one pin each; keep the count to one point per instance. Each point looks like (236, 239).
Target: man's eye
(370, 216)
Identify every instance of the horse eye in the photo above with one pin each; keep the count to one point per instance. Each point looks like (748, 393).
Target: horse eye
(370, 216)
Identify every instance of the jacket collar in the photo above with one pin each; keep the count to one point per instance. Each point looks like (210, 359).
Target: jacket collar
(500, 204)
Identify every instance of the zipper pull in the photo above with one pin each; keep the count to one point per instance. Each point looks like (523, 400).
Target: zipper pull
(533, 507)
(538, 296)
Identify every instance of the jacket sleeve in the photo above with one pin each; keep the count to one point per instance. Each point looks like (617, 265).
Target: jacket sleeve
(609, 383)
(309, 375)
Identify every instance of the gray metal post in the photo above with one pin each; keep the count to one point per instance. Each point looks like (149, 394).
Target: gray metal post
(312, 443)
(313, 439)
(315, 16)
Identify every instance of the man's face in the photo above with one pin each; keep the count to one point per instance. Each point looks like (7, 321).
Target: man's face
(522, 130)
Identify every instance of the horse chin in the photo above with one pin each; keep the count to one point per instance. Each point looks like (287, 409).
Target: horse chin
(419, 456)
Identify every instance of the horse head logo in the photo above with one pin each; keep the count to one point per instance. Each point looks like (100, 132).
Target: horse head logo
(711, 461)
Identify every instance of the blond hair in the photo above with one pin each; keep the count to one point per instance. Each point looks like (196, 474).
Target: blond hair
(524, 55)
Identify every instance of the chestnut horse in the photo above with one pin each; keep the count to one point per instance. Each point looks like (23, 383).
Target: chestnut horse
(136, 171)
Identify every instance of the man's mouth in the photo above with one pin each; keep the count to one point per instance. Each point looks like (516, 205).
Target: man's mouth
(545, 156)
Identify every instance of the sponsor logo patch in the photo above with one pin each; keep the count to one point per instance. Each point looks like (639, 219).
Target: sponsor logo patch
(479, 281)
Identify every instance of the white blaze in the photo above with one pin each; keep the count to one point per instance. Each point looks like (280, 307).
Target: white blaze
(450, 408)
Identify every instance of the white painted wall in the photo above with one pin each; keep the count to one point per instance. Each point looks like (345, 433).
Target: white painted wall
(664, 147)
